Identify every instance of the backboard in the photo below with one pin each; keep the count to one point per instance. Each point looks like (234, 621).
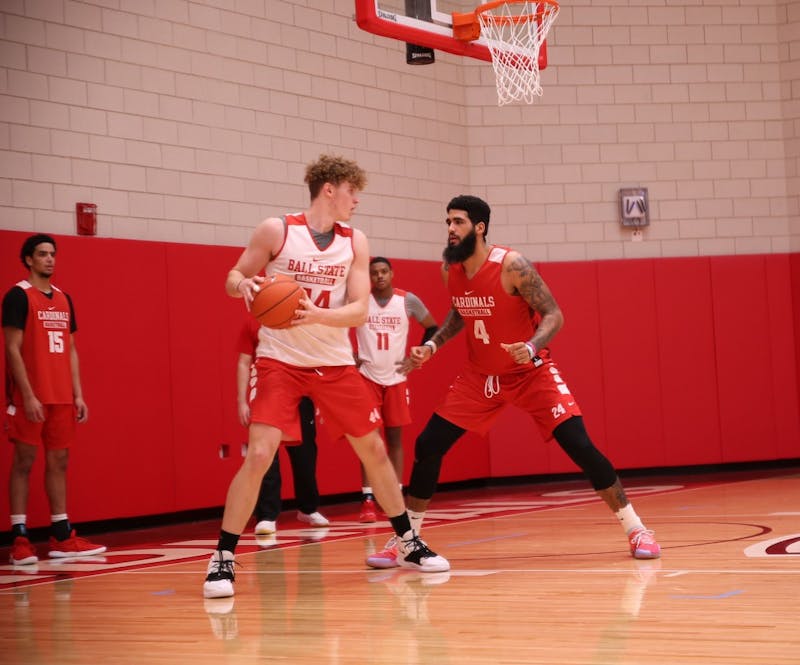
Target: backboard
(406, 21)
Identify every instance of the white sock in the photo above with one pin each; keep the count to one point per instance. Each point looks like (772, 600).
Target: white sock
(416, 520)
(58, 518)
(366, 490)
(18, 519)
(629, 519)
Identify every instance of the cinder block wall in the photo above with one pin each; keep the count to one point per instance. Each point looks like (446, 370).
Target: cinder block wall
(189, 121)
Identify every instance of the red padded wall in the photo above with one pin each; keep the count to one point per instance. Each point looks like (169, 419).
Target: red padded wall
(783, 346)
(203, 326)
(794, 270)
(629, 337)
(686, 361)
(673, 361)
(741, 320)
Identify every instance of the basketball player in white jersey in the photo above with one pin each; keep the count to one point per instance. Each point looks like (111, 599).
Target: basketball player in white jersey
(382, 342)
(313, 358)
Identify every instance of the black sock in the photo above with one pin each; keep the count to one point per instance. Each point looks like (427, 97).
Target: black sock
(19, 530)
(401, 523)
(60, 530)
(227, 541)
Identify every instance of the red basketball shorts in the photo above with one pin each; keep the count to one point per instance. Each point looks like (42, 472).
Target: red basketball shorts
(344, 402)
(57, 430)
(393, 402)
(475, 400)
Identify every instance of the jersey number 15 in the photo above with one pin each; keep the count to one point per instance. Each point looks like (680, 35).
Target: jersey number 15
(55, 341)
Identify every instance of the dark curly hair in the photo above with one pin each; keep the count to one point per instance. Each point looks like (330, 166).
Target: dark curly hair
(477, 209)
(30, 245)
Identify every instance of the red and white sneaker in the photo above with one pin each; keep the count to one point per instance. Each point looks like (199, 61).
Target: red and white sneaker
(73, 546)
(22, 552)
(643, 544)
(386, 558)
(369, 511)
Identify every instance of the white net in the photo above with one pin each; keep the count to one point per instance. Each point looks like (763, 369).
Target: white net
(515, 31)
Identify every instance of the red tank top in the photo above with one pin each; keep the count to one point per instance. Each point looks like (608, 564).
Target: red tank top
(491, 316)
(46, 346)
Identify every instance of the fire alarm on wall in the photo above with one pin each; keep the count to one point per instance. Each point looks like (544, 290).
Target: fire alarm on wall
(86, 214)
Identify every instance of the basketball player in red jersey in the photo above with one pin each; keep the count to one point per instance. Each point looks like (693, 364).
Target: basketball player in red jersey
(496, 296)
(43, 397)
(312, 358)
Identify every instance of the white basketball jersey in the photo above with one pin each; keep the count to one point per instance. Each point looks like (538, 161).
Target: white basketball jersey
(382, 340)
(323, 274)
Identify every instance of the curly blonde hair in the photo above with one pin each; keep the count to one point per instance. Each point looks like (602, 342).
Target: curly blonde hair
(335, 170)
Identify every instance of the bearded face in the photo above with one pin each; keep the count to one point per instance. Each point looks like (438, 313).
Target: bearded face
(458, 249)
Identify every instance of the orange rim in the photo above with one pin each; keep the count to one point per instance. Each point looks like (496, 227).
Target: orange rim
(514, 19)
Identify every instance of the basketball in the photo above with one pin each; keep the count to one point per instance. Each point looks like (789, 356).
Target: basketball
(276, 301)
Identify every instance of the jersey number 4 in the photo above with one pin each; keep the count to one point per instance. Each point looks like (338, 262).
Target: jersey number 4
(479, 331)
(323, 299)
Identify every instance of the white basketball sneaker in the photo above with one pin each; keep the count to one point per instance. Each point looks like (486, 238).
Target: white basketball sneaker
(314, 519)
(412, 552)
(219, 580)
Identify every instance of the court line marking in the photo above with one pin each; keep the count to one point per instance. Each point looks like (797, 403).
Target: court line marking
(720, 596)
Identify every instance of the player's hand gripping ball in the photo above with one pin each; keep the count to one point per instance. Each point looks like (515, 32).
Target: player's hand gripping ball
(275, 302)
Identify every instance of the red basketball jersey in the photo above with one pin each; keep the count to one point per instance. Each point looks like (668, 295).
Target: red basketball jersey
(491, 316)
(46, 346)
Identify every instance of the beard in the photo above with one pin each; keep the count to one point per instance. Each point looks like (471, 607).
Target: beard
(462, 251)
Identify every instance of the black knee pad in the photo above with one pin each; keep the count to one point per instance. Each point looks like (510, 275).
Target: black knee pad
(433, 442)
(574, 440)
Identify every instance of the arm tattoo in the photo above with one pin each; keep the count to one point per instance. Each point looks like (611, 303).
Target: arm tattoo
(533, 290)
(453, 323)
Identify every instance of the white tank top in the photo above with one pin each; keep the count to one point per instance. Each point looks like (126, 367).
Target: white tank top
(382, 340)
(323, 274)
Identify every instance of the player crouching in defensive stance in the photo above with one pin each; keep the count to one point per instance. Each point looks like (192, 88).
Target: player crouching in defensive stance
(495, 294)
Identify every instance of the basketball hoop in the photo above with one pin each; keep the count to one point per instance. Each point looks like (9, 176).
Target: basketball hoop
(514, 30)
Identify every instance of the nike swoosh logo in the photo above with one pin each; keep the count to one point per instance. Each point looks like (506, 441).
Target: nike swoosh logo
(316, 258)
(51, 307)
(466, 293)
